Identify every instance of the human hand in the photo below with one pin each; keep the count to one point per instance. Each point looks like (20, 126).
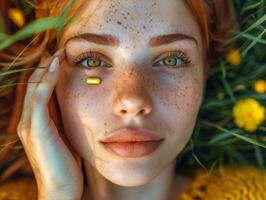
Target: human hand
(55, 167)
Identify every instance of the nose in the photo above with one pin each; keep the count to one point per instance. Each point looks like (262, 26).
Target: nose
(131, 103)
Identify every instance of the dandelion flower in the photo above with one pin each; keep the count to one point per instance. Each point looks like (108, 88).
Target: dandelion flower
(248, 114)
(16, 16)
(260, 86)
(233, 57)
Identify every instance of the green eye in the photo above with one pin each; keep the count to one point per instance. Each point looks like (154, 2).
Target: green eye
(171, 62)
(90, 63)
(174, 60)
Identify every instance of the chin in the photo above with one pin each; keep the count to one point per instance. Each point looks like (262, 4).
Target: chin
(129, 177)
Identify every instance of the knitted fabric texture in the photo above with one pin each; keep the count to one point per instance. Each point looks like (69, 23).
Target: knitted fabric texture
(236, 183)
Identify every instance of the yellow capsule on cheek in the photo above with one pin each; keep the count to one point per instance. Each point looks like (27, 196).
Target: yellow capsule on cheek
(93, 80)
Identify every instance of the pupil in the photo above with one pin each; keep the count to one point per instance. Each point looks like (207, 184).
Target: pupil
(170, 61)
(93, 62)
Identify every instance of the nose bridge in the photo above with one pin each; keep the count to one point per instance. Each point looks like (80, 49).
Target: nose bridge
(132, 54)
(131, 98)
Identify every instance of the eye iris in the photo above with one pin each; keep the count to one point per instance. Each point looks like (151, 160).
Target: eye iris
(171, 61)
(93, 62)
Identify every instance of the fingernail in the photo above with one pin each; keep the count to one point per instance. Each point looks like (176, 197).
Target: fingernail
(54, 64)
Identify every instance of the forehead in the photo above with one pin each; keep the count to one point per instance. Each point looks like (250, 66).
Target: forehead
(134, 20)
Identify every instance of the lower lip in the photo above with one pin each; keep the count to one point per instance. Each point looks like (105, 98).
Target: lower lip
(132, 149)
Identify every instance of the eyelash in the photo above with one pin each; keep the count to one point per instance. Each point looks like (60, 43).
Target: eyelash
(98, 56)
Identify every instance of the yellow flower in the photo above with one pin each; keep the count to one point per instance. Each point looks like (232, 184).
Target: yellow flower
(233, 57)
(16, 16)
(248, 114)
(260, 86)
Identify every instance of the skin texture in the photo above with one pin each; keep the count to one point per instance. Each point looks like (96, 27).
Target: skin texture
(170, 97)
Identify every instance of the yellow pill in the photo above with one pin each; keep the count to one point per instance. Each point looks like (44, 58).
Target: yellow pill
(93, 80)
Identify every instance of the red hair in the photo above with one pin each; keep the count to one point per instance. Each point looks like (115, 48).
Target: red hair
(217, 22)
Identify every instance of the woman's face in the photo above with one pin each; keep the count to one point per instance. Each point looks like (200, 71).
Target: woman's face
(137, 74)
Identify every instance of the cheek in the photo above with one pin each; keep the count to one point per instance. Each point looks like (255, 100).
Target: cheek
(83, 106)
(181, 104)
(182, 99)
(77, 101)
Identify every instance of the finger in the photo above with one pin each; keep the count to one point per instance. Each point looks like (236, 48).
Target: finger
(45, 62)
(35, 77)
(61, 55)
(40, 118)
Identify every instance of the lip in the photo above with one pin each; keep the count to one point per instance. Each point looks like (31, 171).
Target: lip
(132, 135)
(129, 142)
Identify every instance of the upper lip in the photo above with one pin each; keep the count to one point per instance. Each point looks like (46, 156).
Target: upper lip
(132, 135)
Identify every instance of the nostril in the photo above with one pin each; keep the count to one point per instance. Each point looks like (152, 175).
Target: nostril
(142, 111)
(123, 111)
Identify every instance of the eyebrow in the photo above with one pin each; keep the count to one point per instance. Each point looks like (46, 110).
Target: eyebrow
(109, 40)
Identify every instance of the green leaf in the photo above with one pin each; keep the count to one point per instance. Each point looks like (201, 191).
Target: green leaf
(253, 43)
(220, 137)
(195, 156)
(228, 89)
(231, 151)
(253, 38)
(242, 137)
(30, 29)
(250, 140)
(213, 167)
(251, 27)
(259, 157)
(63, 19)
(252, 6)
(3, 36)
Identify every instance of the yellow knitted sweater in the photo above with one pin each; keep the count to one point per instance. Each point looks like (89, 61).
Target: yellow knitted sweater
(236, 183)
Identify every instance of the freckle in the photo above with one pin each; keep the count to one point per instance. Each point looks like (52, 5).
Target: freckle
(127, 13)
(118, 22)
(125, 18)
(144, 27)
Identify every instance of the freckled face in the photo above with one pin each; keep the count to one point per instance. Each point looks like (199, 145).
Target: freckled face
(135, 76)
